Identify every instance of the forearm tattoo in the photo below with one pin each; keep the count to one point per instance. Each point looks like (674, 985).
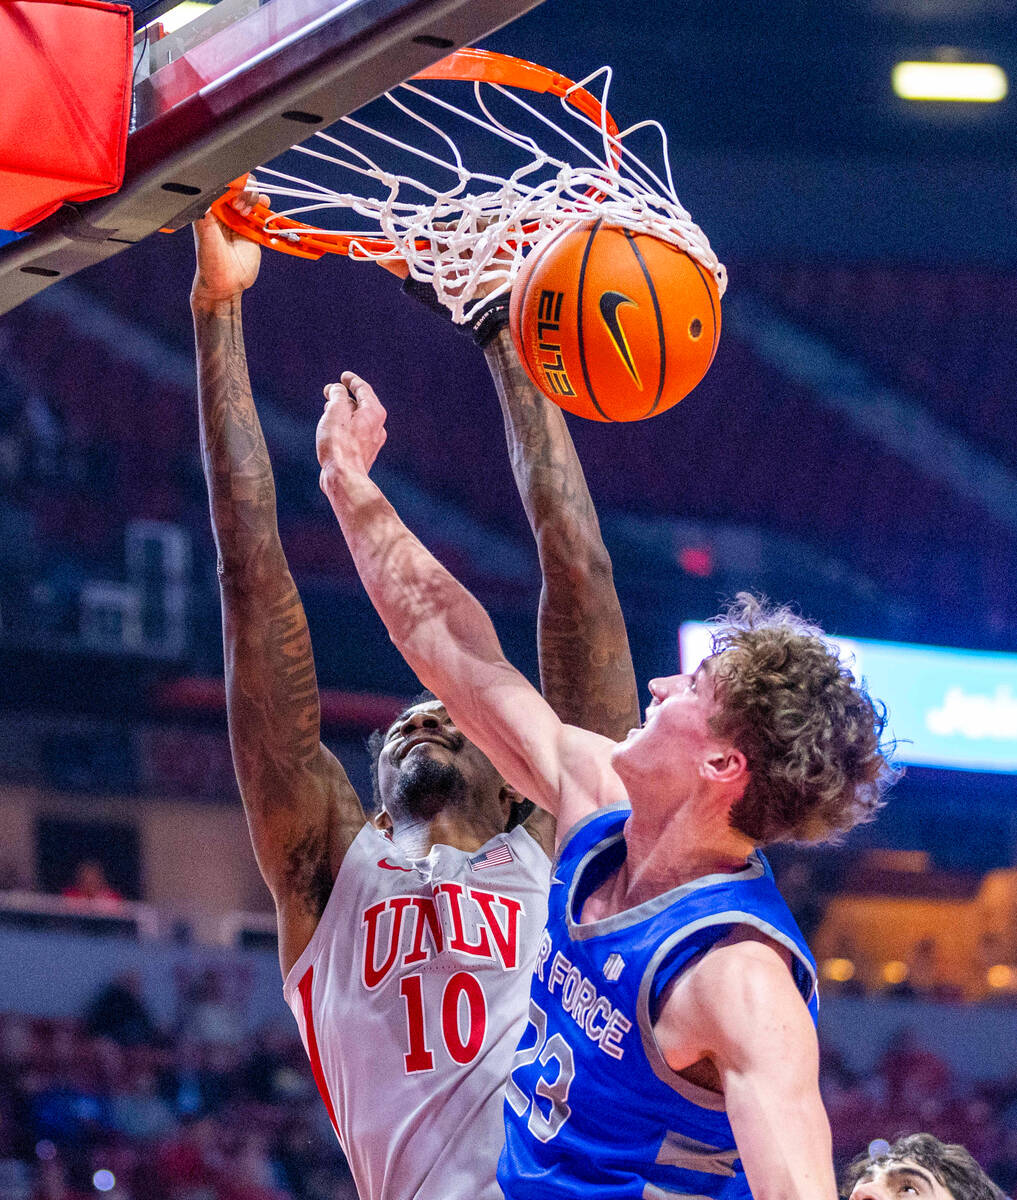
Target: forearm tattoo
(234, 455)
(272, 692)
(585, 665)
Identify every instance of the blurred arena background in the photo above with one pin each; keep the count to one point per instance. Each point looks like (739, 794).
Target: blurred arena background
(852, 450)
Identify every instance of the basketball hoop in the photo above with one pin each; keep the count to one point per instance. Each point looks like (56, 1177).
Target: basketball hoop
(468, 238)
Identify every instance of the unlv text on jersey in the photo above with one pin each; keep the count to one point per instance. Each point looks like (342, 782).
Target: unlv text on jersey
(403, 930)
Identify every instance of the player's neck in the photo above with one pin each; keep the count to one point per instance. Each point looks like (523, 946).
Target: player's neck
(416, 836)
(662, 856)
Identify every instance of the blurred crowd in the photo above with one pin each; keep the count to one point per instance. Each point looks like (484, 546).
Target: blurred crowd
(110, 1103)
(989, 974)
(52, 477)
(92, 441)
(912, 1089)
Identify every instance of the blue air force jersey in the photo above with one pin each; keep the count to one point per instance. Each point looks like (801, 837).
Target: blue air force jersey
(592, 1108)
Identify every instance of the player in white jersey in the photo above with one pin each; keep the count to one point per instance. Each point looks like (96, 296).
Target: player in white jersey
(673, 1050)
(406, 943)
(411, 997)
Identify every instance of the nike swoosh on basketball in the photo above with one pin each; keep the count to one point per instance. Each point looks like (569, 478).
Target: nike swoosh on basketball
(610, 302)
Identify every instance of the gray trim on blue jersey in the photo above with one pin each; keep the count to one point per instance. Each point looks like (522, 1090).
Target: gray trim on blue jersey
(653, 1191)
(690, 1154)
(703, 1097)
(649, 908)
(584, 821)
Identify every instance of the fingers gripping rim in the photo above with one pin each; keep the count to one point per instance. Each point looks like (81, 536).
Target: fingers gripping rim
(308, 245)
(468, 65)
(252, 226)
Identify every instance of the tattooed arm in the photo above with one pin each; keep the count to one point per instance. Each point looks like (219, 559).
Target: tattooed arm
(301, 810)
(586, 670)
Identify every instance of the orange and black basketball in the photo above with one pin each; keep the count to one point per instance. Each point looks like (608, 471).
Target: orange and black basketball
(614, 325)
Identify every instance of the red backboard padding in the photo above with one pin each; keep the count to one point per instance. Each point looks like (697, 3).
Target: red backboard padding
(65, 105)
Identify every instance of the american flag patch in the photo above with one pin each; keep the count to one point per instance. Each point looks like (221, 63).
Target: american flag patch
(500, 856)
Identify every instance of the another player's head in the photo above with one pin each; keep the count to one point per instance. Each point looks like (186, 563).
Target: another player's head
(773, 722)
(422, 766)
(918, 1166)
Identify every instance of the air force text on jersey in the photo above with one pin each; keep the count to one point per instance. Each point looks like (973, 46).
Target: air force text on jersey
(594, 1014)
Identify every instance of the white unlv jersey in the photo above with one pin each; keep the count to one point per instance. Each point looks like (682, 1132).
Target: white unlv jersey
(411, 998)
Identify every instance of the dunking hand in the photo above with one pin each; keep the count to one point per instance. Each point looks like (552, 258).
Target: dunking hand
(227, 263)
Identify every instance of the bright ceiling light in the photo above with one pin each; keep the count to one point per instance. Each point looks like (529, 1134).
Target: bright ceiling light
(972, 82)
(182, 14)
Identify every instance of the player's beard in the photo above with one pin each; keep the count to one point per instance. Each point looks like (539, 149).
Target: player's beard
(426, 786)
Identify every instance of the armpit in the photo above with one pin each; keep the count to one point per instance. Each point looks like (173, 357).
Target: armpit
(307, 871)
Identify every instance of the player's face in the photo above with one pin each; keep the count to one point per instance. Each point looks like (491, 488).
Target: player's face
(676, 736)
(904, 1180)
(426, 765)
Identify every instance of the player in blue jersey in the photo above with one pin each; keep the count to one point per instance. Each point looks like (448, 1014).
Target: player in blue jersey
(671, 1050)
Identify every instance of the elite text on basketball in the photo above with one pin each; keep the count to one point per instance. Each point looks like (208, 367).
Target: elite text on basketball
(548, 325)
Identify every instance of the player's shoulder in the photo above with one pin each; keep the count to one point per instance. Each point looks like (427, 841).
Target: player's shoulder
(591, 828)
(744, 954)
(741, 989)
(540, 827)
(588, 782)
(746, 967)
(527, 845)
(371, 853)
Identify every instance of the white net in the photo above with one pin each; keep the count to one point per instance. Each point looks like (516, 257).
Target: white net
(466, 230)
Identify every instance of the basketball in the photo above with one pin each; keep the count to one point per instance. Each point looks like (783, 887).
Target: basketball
(614, 325)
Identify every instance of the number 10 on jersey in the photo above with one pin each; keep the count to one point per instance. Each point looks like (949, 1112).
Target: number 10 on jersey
(462, 1048)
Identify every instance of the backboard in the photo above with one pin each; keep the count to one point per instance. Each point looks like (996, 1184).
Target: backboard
(229, 90)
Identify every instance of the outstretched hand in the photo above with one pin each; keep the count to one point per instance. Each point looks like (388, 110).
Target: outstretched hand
(227, 263)
(351, 430)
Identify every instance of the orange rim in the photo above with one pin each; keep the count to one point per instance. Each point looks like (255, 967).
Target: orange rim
(463, 66)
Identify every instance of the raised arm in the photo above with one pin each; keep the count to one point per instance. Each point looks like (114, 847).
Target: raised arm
(443, 632)
(762, 1044)
(586, 672)
(301, 810)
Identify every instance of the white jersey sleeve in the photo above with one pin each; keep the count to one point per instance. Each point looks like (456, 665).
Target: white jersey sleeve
(411, 997)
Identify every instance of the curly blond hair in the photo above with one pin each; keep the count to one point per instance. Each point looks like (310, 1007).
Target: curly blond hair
(811, 735)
